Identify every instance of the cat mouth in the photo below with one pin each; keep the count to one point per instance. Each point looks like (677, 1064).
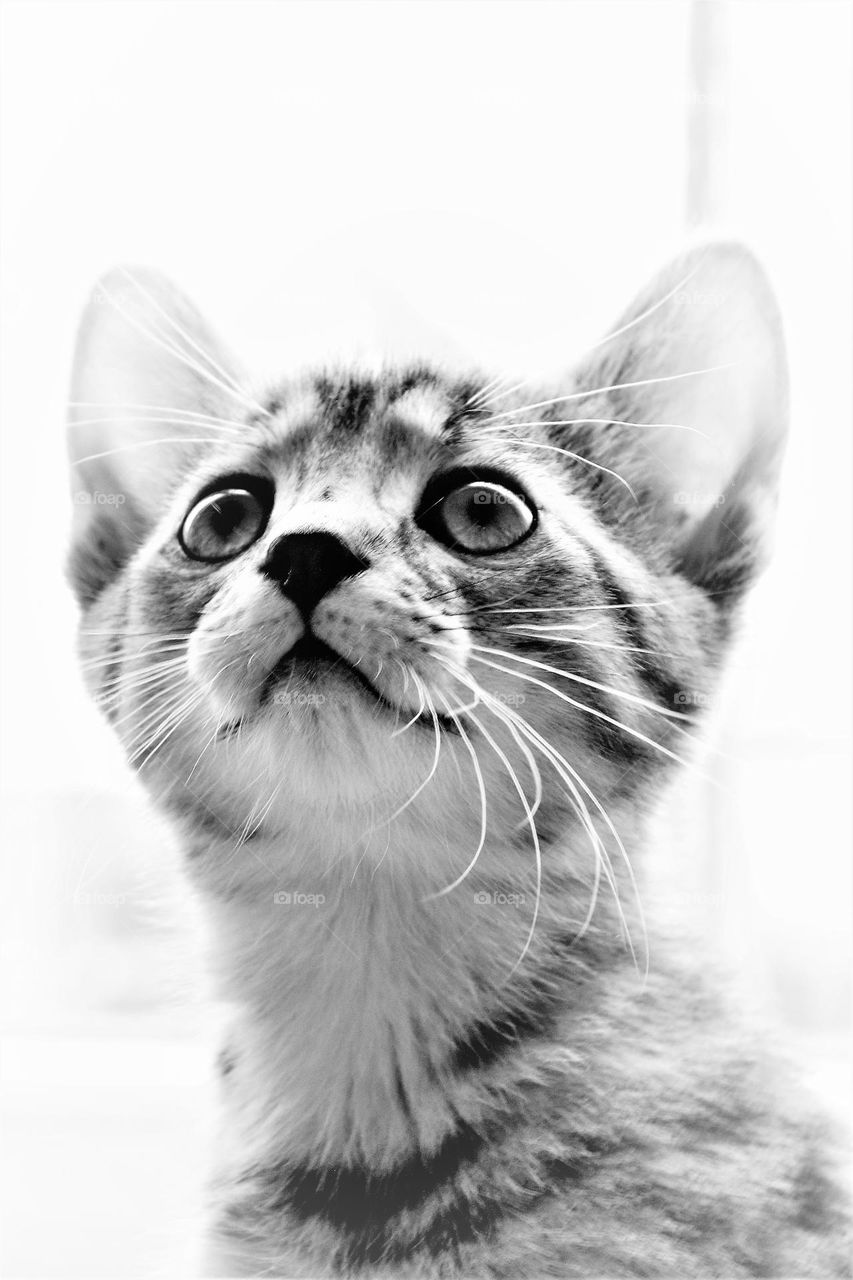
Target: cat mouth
(309, 662)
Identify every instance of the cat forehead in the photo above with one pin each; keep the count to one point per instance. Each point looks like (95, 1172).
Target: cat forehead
(351, 404)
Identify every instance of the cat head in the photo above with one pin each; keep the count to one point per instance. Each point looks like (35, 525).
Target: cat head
(413, 595)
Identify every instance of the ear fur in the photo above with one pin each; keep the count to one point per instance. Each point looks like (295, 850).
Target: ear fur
(704, 343)
(145, 365)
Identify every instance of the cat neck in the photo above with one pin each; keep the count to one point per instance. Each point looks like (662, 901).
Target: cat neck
(364, 1006)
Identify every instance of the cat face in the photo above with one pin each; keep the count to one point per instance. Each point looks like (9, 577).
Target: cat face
(407, 589)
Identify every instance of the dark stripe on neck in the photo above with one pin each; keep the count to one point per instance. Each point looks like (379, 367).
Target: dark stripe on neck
(429, 1206)
(488, 1041)
(363, 1206)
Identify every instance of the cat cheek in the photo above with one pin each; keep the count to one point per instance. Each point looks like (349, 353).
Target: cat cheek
(235, 647)
(232, 689)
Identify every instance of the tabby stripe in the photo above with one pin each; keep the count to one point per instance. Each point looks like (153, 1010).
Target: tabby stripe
(488, 1041)
(430, 1204)
(653, 673)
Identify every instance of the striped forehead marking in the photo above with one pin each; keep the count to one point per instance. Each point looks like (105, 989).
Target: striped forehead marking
(424, 409)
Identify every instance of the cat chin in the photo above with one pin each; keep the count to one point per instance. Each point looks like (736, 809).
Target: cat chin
(318, 748)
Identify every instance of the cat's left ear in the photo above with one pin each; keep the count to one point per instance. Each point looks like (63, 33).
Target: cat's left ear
(148, 374)
(703, 346)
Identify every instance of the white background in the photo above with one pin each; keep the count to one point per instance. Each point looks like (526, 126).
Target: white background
(466, 181)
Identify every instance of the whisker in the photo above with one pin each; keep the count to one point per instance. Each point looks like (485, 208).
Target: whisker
(422, 694)
(190, 424)
(387, 822)
(121, 659)
(214, 736)
(171, 410)
(220, 378)
(534, 833)
(571, 675)
(547, 633)
(589, 608)
(121, 631)
(616, 386)
(583, 706)
(609, 422)
(134, 680)
(508, 391)
(486, 394)
(155, 703)
(483, 819)
(431, 709)
(564, 769)
(650, 311)
(170, 347)
(181, 331)
(129, 678)
(578, 457)
(145, 444)
(165, 731)
(615, 333)
(560, 763)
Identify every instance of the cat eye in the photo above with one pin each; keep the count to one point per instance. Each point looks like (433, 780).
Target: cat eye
(226, 521)
(480, 516)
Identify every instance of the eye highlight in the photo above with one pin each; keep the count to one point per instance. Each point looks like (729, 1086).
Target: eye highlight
(481, 515)
(226, 520)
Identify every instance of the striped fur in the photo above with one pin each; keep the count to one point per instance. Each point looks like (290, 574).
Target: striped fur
(479, 1080)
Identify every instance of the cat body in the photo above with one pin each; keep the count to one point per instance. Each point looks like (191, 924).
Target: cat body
(404, 658)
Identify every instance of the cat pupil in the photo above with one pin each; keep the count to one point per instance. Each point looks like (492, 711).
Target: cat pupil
(478, 511)
(226, 516)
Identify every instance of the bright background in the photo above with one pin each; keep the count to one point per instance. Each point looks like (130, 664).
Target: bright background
(467, 181)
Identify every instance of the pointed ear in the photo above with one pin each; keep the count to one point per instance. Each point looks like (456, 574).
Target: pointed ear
(146, 368)
(704, 342)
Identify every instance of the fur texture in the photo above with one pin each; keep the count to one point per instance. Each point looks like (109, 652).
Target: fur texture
(413, 770)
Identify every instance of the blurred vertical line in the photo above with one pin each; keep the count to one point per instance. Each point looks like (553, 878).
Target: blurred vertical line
(707, 112)
(708, 92)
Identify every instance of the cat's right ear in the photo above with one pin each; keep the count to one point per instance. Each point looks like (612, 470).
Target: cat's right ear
(148, 373)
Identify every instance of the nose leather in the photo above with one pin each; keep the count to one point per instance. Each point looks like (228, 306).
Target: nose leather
(307, 566)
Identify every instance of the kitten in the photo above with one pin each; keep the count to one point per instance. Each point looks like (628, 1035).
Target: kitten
(404, 658)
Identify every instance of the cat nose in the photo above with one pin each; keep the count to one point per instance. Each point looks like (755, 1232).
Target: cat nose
(307, 566)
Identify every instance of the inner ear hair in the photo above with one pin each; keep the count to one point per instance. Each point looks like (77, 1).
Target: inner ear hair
(703, 346)
(151, 387)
